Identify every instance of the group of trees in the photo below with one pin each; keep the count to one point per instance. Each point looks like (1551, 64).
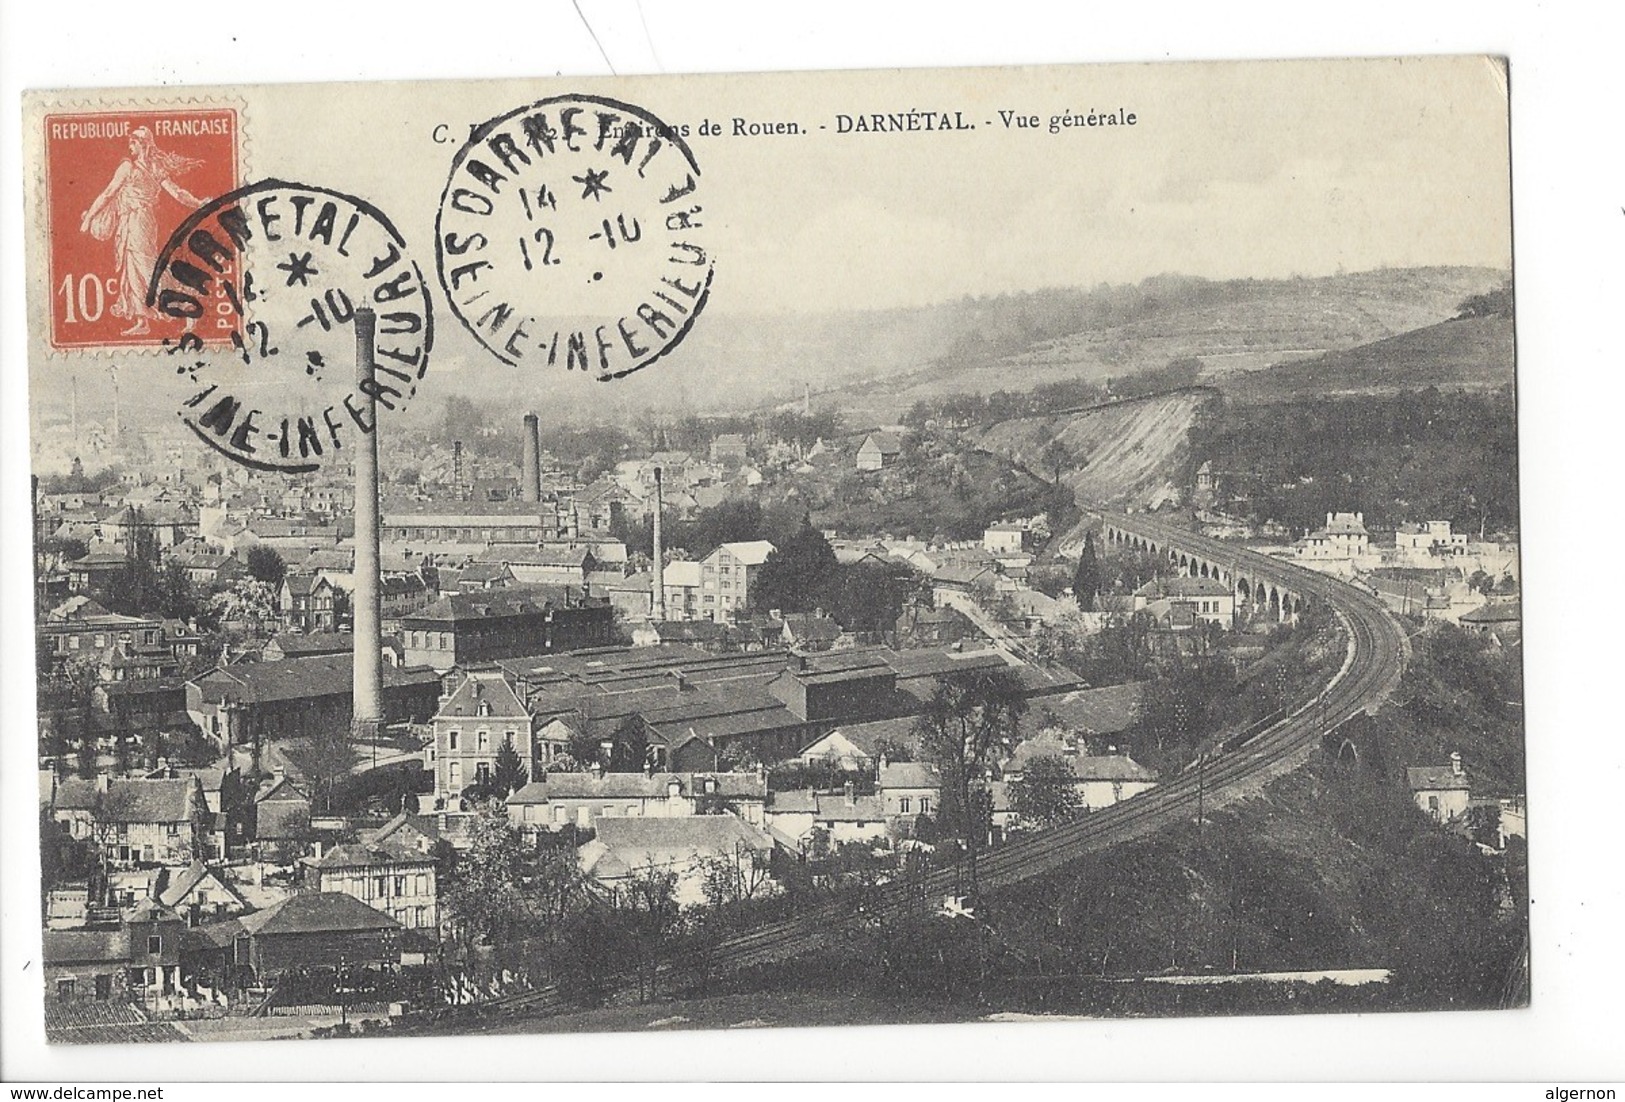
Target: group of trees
(526, 907)
(971, 721)
(971, 410)
(1396, 458)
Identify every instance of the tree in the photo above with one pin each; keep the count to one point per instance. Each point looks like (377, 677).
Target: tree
(248, 601)
(893, 750)
(1086, 582)
(799, 572)
(486, 896)
(733, 876)
(508, 771)
(323, 757)
(647, 905)
(969, 718)
(1046, 792)
(1055, 458)
(266, 565)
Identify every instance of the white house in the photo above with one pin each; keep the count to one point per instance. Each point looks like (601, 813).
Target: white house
(471, 727)
(726, 575)
(627, 848)
(1007, 538)
(1442, 791)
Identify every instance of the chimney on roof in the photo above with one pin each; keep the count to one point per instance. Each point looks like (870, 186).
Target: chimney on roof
(101, 782)
(597, 770)
(1455, 763)
(674, 789)
(851, 792)
(681, 679)
(530, 465)
(657, 609)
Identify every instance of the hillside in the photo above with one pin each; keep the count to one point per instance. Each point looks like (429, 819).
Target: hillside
(1122, 453)
(1469, 354)
(1235, 326)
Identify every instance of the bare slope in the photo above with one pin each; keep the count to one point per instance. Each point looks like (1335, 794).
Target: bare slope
(1238, 326)
(1467, 353)
(1128, 453)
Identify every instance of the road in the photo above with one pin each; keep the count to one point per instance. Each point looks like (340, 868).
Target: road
(1377, 650)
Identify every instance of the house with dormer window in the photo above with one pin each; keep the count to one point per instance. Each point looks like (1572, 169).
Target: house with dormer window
(471, 727)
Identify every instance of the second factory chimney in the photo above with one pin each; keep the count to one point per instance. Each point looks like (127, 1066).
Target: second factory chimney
(657, 609)
(530, 467)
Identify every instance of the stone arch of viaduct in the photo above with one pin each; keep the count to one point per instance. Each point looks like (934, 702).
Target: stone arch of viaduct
(1257, 594)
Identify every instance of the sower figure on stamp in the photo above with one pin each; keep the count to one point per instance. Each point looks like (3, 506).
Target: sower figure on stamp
(127, 213)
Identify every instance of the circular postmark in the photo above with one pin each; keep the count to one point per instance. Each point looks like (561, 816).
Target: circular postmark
(272, 274)
(570, 234)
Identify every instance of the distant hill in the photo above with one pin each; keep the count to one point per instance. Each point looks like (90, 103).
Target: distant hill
(873, 365)
(1131, 452)
(1468, 354)
(1017, 342)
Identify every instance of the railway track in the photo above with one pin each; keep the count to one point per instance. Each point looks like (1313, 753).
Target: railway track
(1376, 652)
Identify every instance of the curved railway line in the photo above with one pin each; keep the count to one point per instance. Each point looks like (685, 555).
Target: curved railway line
(1377, 650)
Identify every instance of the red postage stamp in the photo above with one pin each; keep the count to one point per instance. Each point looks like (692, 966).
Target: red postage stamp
(117, 184)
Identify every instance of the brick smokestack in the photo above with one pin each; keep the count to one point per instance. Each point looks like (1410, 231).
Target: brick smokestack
(658, 608)
(530, 465)
(368, 686)
(457, 470)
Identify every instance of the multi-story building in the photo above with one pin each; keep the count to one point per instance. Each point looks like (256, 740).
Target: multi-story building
(544, 564)
(473, 524)
(389, 877)
(1424, 544)
(1187, 601)
(467, 628)
(1344, 539)
(471, 727)
(583, 799)
(309, 603)
(682, 585)
(726, 575)
(1006, 538)
(81, 626)
(136, 821)
(248, 702)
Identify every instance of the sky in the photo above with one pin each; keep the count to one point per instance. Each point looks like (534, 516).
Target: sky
(1238, 169)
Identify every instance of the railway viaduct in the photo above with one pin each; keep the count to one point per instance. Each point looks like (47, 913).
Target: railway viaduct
(1259, 588)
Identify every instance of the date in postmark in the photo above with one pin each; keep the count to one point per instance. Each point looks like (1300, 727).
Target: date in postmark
(285, 265)
(571, 235)
(116, 184)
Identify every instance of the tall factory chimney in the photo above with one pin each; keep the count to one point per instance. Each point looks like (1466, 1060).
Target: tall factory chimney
(367, 688)
(658, 608)
(457, 470)
(530, 468)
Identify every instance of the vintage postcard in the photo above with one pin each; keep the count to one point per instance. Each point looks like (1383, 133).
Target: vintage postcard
(772, 550)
